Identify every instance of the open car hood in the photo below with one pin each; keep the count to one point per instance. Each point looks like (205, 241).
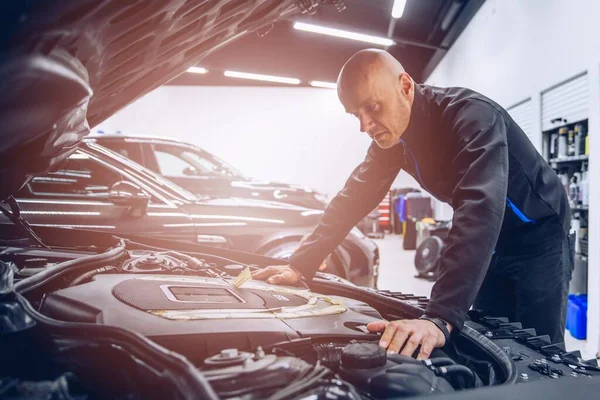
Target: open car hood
(67, 66)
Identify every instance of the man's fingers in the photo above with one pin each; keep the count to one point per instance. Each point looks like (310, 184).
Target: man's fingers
(406, 336)
(269, 271)
(388, 335)
(377, 326)
(411, 345)
(263, 273)
(291, 276)
(398, 341)
(426, 348)
(276, 279)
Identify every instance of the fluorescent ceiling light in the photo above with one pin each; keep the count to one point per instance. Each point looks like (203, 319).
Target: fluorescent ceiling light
(321, 84)
(258, 77)
(343, 34)
(197, 70)
(398, 8)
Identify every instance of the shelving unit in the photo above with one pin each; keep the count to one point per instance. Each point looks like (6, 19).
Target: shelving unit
(563, 104)
(580, 208)
(568, 161)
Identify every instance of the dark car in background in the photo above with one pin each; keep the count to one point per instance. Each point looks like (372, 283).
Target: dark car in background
(203, 173)
(101, 190)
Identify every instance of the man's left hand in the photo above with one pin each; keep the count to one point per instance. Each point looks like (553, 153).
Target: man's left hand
(404, 336)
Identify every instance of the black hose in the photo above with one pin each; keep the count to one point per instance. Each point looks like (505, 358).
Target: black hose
(188, 379)
(51, 273)
(302, 384)
(6, 278)
(14, 215)
(404, 309)
(439, 362)
(467, 373)
(494, 351)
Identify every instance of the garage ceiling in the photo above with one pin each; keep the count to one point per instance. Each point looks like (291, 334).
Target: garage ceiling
(422, 36)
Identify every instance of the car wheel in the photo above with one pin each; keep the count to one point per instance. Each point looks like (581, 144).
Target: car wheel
(284, 251)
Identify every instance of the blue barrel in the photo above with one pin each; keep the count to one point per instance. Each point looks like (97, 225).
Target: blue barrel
(577, 315)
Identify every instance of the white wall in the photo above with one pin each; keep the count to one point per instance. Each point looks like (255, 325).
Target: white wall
(293, 135)
(514, 49)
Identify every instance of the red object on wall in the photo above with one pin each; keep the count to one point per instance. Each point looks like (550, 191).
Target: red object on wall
(384, 211)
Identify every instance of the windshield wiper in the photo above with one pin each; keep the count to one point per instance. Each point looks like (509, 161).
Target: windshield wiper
(14, 215)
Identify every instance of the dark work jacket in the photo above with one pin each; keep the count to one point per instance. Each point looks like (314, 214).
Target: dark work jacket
(467, 151)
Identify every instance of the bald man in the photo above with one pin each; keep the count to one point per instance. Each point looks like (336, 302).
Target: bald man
(509, 252)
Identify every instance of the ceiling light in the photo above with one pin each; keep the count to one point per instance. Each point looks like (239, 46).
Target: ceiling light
(398, 8)
(321, 84)
(258, 77)
(343, 34)
(197, 70)
(450, 15)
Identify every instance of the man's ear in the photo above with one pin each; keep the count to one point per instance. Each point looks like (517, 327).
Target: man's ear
(406, 83)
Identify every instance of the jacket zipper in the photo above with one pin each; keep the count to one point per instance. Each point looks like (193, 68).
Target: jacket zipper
(404, 152)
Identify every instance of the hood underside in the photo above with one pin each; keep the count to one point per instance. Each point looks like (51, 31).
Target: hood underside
(67, 66)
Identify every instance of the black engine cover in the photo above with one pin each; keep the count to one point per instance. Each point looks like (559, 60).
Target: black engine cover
(199, 316)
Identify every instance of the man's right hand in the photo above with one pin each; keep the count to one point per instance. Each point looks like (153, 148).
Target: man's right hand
(278, 275)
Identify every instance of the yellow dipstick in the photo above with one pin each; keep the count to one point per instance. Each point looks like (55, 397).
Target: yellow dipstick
(242, 278)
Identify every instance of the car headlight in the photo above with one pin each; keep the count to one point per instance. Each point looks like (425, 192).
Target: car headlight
(357, 232)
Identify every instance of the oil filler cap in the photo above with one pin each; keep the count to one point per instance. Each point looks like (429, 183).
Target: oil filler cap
(363, 356)
(227, 358)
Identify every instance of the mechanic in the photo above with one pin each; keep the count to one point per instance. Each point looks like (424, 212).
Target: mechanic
(508, 252)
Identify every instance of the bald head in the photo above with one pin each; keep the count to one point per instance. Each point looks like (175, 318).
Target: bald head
(374, 87)
(368, 65)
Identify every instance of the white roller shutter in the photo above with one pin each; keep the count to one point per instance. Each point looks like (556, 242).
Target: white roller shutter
(567, 101)
(522, 113)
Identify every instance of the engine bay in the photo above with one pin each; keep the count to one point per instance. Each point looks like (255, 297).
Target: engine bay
(259, 340)
(200, 316)
(224, 330)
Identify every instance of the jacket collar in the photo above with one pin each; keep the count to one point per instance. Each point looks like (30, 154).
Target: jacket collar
(420, 116)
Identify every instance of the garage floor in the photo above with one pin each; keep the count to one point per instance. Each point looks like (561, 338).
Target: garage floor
(397, 273)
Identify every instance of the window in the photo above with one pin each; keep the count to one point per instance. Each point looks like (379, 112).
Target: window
(173, 160)
(81, 177)
(205, 165)
(172, 165)
(126, 149)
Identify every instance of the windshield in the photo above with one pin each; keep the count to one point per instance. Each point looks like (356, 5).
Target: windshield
(180, 161)
(205, 161)
(175, 160)
(225, 167)
(150, 177)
